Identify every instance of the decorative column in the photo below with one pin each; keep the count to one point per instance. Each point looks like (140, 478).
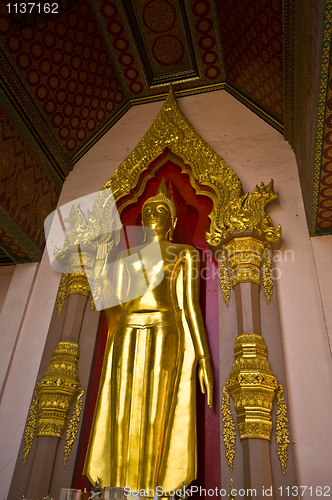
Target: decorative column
(246, 236)
(251, 382)
(57, 390)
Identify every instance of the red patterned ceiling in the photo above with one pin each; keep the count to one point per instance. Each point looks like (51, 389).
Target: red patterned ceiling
(207, 39)
(121, 46)
(252, 37)
(83, 66)
(69, 71)
(161, 28)
(324, 215)
(14, 251)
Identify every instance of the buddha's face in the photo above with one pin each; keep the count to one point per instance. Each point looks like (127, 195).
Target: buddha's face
(157, 216)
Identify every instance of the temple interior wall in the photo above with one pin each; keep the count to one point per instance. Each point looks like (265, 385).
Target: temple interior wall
(17, 294)
(322, 249)
(256, 152)
(22, 372)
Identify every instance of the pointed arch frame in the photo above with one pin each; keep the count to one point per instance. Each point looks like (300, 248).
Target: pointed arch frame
(172, 130)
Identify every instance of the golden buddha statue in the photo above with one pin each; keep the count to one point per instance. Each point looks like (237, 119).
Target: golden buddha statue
(144, 430)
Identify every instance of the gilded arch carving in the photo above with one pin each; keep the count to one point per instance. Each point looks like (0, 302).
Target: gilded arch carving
(209, 175)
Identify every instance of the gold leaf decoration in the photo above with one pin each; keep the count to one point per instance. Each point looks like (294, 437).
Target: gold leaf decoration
(30, 429)
(267, 276)
(252, 386)
(282, 433)
(83, 232)
(54, 397)
(225, 283)
(57, 390)
(245, 257)
(73, 426)
(229, 432)
(62, 292)
(172, 130)
(78, 284)
(79, 270)
(93, 305)
(95, 296)
(209, 175)
(247, 212)
(231, 491)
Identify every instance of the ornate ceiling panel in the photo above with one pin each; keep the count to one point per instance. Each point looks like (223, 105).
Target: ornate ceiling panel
(208, 40)
(17, 248)
(321, 206)
(252, 38)
(66, 79)
(308, 34)
(67, 68)
(164, 43)
(121, 46)
(27, 194)
(5, 260)
(84, 66)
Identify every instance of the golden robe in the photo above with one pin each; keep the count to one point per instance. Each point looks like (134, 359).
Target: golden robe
(147, 388)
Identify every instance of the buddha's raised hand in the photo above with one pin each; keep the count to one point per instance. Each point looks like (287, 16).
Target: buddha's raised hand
(100, 267)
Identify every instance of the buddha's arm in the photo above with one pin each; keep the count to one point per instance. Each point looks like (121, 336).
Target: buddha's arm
(195, 321)
(107, 293)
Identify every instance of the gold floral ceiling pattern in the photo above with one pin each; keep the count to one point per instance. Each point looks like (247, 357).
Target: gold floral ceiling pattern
(66, 78)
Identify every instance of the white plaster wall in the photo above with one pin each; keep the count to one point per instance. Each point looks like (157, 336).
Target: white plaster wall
(22, 374)
(12, 314)
(256, 152)
(322, 248)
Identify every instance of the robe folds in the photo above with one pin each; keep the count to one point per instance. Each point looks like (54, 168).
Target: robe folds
(144, 430)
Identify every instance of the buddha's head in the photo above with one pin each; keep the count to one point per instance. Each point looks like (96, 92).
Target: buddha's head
(159, 213)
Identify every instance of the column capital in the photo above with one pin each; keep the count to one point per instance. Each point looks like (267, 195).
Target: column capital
(245, 256)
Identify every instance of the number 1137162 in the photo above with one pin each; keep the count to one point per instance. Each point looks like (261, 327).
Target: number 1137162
(33, 8)
(295, 491)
